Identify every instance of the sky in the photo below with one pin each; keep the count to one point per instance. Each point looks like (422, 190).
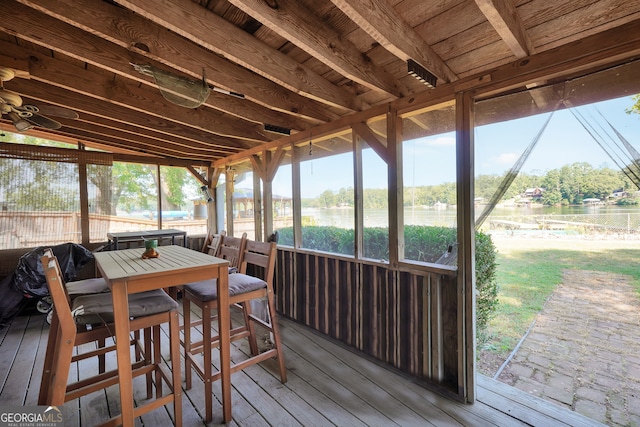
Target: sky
(431, 161)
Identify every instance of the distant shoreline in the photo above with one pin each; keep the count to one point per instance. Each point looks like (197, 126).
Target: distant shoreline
(591, 243)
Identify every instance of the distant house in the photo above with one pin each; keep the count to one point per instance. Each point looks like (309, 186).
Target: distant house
(620, 193)
(533, 193)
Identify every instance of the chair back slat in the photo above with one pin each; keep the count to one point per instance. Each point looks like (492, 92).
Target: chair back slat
(58, 292)
(260, 254)
(211, 243)
(231, 249)
(213, 248)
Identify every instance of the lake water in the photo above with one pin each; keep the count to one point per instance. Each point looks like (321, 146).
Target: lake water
(624, 217)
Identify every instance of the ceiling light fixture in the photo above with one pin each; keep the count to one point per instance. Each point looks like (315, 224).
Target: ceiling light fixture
(420, 73)
(277, 129)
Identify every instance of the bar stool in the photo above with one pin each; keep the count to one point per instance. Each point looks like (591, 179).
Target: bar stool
(88, 318)
(242, 289)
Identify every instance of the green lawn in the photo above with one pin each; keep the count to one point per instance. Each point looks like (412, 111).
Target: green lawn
(528, 276)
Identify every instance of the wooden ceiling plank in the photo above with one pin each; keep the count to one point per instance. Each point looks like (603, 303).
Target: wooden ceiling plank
(300, 26)
(382, 22)
(607, 47)
(58, 136)
(142, 99)
(89, 132)
(107, 25)
(142, 140)
(61, 97)
(89, 137)
(149, 134)
(577, 24)
(503, 16)
(207, 29)
(73, 41)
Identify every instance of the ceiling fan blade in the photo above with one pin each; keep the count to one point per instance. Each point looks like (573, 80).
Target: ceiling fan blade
(52, 110)
(43, 121)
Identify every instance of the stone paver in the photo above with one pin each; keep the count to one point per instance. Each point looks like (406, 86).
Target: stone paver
(583, 352)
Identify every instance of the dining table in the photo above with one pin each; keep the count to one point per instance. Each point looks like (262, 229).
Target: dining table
(127, 272)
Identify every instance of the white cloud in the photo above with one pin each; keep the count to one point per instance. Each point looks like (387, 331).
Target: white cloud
(442, 141)
(507, 158)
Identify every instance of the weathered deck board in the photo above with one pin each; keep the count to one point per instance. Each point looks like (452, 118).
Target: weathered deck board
(328, 384)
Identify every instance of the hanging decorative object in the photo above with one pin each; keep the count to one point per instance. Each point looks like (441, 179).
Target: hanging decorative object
(179, 90)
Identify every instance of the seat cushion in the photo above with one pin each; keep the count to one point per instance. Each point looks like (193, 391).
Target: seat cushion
(98, 308)
(238, 284)
(87, 286)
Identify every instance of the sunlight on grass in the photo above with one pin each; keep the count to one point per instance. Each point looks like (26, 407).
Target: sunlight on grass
(527, 277)
(510, 301)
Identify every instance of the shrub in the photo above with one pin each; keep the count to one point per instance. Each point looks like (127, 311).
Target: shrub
(627, 201)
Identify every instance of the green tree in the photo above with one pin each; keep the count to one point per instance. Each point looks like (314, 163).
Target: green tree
(635, 108)
(551, 197)
(345, 197)
(174, 184)
(552, 182)
(327, 199)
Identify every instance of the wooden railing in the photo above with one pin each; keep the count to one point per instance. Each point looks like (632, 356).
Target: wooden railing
(393, 315)
(32, 229)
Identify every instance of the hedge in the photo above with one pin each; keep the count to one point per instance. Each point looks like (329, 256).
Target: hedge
(422, 243)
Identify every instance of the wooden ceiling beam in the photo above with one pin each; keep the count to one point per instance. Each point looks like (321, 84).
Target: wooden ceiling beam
(293, 21)
(209, 30)
(43, 92)
(60, 136)
(145, 99)
(96, 31)
(504, 17)
(388, 28)
(159, 137)
(36, 27)
(149, 145)
(88, 137)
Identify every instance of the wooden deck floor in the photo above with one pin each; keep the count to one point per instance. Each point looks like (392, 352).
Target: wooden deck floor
(328, 384)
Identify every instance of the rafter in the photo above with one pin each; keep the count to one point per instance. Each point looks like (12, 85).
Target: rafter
(207, 29)
(91, 126)
(389, 29)
(144, 100)
(57, 96)
(106, 36)
(504, 17)
(296, 23)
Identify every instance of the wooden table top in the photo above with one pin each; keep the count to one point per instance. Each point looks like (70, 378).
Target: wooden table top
(128, 263)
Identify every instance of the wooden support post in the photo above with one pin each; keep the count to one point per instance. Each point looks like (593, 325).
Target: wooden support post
(396, 218)
(466, 246)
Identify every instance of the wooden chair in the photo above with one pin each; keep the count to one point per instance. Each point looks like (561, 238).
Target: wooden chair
(89, 318)
(212, 242)
(231, 248)
(242, 289)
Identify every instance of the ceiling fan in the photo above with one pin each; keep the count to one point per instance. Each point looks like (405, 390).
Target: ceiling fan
(26, 116)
